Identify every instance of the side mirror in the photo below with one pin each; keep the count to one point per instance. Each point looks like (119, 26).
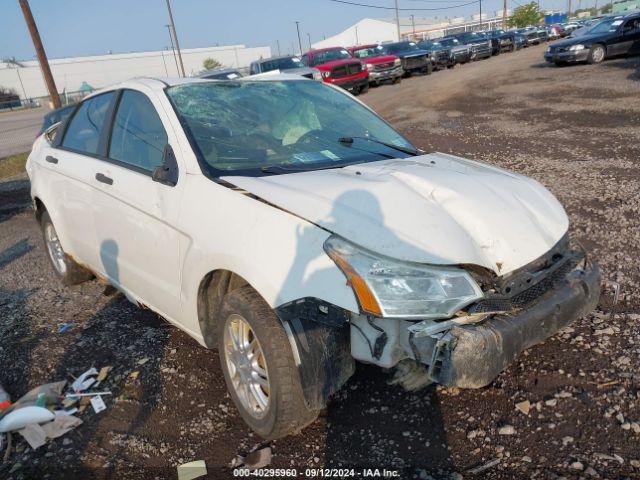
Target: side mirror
(167, 173)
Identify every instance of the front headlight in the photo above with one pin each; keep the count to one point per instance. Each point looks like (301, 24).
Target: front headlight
(397, 62)
(548, 49)
(326, 73)
(392, 288)
(317, 76)
(574, 48)
(370, 67)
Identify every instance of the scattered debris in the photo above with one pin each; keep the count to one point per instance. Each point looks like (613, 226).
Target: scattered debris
(21, 417)
(411, 375)
(86, 394)
(507, 430)
(84, 381)
(258, 458)
(484, 467)
(62, 423)
(524, 407)
(102, 375)
(65, 327)
(34, 435)
(191, 470)
(98, 404)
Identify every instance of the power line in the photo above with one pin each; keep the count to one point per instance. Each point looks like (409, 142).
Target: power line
(409, 9)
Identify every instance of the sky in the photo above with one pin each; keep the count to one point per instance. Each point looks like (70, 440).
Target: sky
(92, 27)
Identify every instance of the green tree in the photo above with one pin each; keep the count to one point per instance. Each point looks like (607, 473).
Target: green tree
(528, 14)
(211, 63)
(606, 9)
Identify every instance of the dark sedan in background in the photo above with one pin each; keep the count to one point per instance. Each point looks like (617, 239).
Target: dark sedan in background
(613, 36)
(481, 47)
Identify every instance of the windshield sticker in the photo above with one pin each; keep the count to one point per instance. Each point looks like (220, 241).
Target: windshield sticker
(231, 76)
(311, 157)
(330, 154)
(617, 22)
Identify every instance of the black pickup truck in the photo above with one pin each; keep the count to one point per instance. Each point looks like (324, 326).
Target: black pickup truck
(481, 47)
(503, 41)
(413, 58)
(440, 55)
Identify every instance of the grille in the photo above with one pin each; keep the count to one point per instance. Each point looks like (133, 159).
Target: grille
(346, 70)
(442, 56)
(528, 296)
(383, 66)
(415, 62)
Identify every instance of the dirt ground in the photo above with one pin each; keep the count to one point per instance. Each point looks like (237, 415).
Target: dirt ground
(18, 130)
(575, 129)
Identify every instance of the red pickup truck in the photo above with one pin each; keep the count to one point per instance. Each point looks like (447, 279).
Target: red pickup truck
(381, 66)
(338, 67)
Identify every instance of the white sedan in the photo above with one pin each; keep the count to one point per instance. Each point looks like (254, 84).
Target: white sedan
(283, 223)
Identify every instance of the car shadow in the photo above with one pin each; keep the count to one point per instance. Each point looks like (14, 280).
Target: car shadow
(369, 423)
(631, 63)
(14, 198)
(14, 252)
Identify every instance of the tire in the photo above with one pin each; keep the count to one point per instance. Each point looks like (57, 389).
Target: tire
(428, 70)
(397, 80)
(363, 89)
(597, 53)
(285, 411)
(66, 269)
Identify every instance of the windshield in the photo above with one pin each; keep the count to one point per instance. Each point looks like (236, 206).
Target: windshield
(450, 42)
(606, 26)
(368, 52)
(281, 64)
(245, 127)
(402, 47)
(330, 55)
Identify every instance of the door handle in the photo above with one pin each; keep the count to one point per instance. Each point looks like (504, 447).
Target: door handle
(51, 159)
(104, 179)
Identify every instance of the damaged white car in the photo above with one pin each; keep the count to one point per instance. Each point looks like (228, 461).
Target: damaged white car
(283, 223)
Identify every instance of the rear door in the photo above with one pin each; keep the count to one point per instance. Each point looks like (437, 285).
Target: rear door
(136, 216)
(72, 163)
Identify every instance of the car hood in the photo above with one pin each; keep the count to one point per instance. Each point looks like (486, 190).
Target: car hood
(435, 209)
(412, 53)
(300, 70)
(336, 63)
(567, 42)
(380, 59)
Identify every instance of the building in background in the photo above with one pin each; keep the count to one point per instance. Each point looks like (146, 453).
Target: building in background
(370, 30)
(71, 74)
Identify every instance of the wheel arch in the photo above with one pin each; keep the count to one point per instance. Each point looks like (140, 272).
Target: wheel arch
(39, 207)
(211, 291)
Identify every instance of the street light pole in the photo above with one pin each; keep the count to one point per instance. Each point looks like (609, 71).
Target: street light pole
(299, 41)
(413, 25)
(504, 15)
(480, 14)
(175, 36)
(398, 20)
(42, 56)
(173, 49)
(309, 37)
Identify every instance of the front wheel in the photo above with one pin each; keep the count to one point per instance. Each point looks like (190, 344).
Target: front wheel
(67, 270)
(259, 367)
(596, 54)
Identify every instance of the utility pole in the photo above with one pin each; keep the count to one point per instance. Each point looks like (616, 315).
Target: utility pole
(504, 15)
(357, 39)
(398, 20)
(175, 37)
(278, 43)
(413, 25)
(309, 37)
(480, 14)
(42, 56)
(569, 12)
(173, 49)
(299, 41)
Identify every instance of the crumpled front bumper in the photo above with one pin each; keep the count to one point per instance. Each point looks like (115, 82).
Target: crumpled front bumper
(471, 356)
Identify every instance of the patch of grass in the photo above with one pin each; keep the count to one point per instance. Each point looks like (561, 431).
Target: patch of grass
(13, 164)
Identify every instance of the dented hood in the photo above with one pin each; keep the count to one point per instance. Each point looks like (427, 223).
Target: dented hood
(435, 208)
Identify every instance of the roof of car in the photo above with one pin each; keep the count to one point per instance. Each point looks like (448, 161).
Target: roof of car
(279, 57)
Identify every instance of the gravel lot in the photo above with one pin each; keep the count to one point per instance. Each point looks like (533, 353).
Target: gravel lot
(575, 129)
(19, 129)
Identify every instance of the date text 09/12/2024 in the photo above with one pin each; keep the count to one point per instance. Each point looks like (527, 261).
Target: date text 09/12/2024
(317, 473)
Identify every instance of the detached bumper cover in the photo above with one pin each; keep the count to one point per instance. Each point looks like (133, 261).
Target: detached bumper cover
(471, 356)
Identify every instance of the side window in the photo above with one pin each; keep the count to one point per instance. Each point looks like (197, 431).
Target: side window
(305, 59)
(83, 133)
(138, 137)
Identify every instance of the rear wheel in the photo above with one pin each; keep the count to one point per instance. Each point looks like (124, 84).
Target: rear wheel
(596, 54)
(66, 269)
(259, 367)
